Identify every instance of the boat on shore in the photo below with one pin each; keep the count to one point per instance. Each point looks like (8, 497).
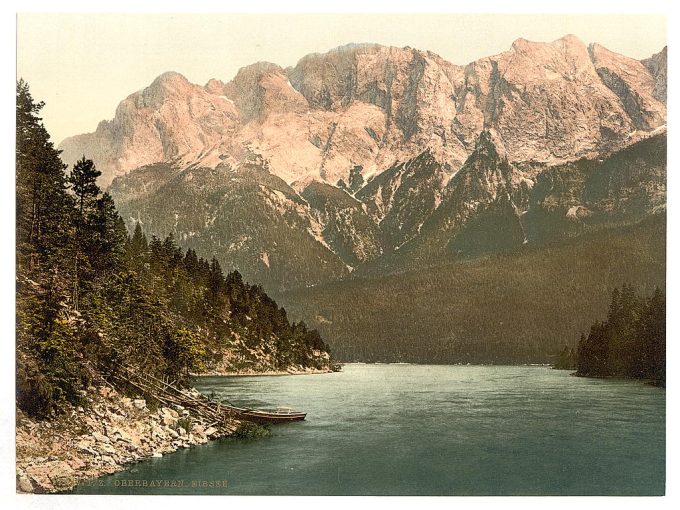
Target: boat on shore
(264, 416)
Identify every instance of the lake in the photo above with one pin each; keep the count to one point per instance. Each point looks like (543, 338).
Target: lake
(428, 430)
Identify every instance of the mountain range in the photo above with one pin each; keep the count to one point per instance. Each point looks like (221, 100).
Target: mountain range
(368, 160)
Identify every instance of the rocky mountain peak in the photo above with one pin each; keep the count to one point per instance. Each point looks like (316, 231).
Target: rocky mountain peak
(567, 42)
(657, 66)
(263, 88)
(254, 72)
(170, 85)
(565, 58)
(375, 106)
(633, 84)
(170, 80)
(215, 86)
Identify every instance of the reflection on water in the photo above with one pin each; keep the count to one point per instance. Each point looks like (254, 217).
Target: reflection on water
(423, 429)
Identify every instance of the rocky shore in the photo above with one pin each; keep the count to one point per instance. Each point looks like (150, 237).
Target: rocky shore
(107, 433)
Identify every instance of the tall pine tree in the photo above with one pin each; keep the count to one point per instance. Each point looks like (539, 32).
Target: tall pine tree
(83, 183)
(42, 203)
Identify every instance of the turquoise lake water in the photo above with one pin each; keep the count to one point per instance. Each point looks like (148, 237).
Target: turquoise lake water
(427, 430)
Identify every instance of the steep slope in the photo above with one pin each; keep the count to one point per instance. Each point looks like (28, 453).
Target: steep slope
(657, 66)
(487, 184)
(401, 198)
(377, 159)
(412, 90)
(636, 88)
(518, 307)
(491, 205)
(347, 227)
(171, 121)
(376, 106)
(250, 219)
(402, 219)
(572, 198)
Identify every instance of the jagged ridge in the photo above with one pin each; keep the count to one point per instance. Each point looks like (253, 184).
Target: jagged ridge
(370, 158)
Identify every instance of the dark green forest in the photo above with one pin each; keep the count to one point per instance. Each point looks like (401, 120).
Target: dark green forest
(91, 297)
(519, 306)
(630, 343)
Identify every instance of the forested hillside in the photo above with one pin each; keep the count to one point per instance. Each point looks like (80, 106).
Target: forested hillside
(521, 306)
(90, 297)
(631, 342)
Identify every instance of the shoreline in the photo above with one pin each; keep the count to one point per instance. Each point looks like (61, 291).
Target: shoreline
(650, 382)
(113, 433)
(110, 434)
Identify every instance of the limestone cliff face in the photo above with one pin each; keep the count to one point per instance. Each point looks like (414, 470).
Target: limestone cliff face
(376, 106)
(379, 157)
(656, 64)
(409, 93)
(635, 88)
(558, 101)
(171, 121)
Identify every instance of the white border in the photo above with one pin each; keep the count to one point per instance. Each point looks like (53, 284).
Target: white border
(8, 34)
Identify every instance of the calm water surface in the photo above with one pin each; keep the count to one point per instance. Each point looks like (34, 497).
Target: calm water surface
(429, 430)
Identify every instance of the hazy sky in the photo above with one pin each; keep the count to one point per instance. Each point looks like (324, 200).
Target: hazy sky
(83, 65)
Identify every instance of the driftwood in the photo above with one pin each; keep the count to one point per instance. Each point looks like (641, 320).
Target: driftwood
(213, 413)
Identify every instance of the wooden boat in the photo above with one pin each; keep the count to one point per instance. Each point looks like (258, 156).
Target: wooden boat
(278, 415)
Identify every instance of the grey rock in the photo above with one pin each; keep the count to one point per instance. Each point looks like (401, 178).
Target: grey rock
(24, 484)
(100, 437)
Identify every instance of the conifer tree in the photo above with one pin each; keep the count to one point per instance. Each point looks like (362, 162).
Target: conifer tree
(83, 183)
(109, 236)
(139, 246)
(632, 343)
(42, 203)
(90, 297)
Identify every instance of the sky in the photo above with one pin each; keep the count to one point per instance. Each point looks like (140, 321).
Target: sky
(83, 65)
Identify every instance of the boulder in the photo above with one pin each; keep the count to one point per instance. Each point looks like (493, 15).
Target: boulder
(100, 437)
(128, 438)
(169, 421)
(52, 476)
(76, 463)
(105, 448)
(118, 434)
(167, 411)
(106, 459)
(85, 445)
(24, 484)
